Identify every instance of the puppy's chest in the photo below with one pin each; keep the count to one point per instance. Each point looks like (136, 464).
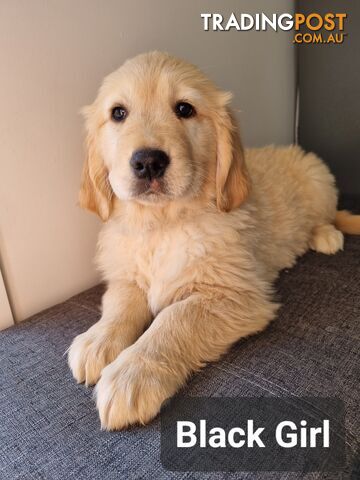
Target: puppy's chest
(161, 262)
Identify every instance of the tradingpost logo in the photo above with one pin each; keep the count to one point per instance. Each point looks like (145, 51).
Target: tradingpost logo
(312, 28)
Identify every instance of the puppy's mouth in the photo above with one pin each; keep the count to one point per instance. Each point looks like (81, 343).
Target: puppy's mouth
(150, 188)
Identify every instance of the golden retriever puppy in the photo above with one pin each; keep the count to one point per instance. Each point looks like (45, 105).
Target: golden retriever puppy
(195, 232)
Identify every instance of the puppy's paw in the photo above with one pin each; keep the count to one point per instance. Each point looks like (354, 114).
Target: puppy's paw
(90, 352)
(131, 390)
(327, 239)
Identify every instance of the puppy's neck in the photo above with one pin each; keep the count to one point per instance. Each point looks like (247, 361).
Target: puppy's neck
(142, 217)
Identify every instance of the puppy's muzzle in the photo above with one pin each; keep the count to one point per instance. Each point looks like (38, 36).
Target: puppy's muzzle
(149, 163)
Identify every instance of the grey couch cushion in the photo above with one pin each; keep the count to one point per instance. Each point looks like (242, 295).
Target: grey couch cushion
(49, 428)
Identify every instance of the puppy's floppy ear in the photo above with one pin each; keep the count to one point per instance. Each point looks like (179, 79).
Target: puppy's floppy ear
(95, 191)
(232, 180)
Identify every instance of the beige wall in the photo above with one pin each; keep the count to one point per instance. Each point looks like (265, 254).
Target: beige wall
(54, 54)
(6, 317)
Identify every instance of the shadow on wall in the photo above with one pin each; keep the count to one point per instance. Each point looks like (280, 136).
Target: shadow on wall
(329, 83)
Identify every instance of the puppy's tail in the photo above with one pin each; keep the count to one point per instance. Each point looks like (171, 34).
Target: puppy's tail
(346, 222)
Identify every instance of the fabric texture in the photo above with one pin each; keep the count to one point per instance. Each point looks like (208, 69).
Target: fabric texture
(49, 427)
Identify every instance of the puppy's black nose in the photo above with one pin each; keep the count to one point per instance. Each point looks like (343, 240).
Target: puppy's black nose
(149, 163)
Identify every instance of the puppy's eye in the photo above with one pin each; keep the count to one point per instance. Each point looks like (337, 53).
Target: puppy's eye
(184, 110)
(118, 114)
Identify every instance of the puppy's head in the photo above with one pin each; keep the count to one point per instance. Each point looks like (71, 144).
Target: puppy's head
(160, 131)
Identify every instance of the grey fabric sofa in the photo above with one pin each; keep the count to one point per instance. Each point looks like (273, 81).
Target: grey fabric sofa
(49, 428)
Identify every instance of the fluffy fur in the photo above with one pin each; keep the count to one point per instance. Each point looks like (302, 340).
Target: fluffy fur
(189, 267)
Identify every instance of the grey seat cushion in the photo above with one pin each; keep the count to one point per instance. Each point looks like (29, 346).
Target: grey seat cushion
(49, 428)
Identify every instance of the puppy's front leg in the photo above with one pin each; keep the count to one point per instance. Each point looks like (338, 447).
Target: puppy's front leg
(125, 314)
(181, 339)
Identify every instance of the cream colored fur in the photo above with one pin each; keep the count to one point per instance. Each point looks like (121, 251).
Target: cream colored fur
(190, 270)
